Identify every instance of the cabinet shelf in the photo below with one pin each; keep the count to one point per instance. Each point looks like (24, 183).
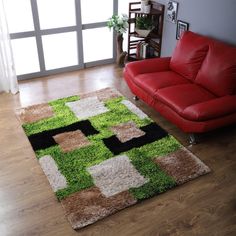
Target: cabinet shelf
(151, 35)
(152, 12)
(153, 40)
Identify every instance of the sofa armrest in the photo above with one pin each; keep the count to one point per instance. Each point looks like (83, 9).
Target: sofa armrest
(147, 66)
(211, 109)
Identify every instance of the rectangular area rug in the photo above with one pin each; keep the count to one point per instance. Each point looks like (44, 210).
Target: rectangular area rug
(102, 154)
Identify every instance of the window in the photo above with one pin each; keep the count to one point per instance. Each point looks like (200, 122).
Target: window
(26, 61)
(56, 13)
(51, 36)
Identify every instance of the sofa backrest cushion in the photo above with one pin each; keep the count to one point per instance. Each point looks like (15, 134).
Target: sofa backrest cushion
(218, 71)
(189, 54)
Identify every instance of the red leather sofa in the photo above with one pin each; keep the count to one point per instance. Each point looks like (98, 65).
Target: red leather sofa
(195, 88)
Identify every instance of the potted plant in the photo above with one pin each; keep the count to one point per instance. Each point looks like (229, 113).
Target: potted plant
(144, 26)
(119, 25)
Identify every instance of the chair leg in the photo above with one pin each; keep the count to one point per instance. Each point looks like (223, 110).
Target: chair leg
(136, 98)
(192, 139)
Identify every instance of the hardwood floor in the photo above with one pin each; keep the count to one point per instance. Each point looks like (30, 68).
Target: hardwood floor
(204, 207)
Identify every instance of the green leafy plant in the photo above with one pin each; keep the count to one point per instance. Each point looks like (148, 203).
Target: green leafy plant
(144, 23)
(118, 23)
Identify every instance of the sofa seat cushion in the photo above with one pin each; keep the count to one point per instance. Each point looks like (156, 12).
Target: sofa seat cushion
(189, 54)
(151, 82)
(180, 97)
(218, 72)
(212, 109)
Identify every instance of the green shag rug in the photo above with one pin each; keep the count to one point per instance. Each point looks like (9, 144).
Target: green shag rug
(102, 154)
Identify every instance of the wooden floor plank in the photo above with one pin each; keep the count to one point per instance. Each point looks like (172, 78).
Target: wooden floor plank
(205, 206)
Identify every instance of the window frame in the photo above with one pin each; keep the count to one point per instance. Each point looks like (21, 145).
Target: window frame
(78, 28)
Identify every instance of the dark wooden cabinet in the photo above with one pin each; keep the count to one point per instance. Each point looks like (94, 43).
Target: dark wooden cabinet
(140, 47)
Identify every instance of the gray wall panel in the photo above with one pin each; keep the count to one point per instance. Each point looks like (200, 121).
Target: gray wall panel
(214, 18)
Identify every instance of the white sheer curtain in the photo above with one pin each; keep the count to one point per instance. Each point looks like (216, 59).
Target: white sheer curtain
(8, 80)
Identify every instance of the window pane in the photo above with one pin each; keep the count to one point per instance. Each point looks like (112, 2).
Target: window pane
(56, 13)
(96, 11)
(98, 44)
(60, 50)
(25, 55)
(19, 15)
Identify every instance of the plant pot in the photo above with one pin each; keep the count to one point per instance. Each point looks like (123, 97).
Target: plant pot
(120, 54)
(143, 4)
(142, 32)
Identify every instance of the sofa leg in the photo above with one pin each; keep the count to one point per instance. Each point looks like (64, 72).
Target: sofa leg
(192, 139)
(136, 98)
